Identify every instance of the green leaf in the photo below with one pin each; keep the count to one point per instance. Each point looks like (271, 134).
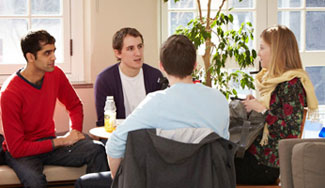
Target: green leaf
(254, 54)
(242, 83)
(226, 19)
(231, 18)
(214, 23)
(240, 30)
(248, 53)
(234, 92)
(246, 39)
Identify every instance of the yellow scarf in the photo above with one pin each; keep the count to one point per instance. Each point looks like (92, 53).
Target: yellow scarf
(265, 87)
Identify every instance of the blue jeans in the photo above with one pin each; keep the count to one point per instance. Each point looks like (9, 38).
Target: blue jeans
(98, 180)
(30, 169)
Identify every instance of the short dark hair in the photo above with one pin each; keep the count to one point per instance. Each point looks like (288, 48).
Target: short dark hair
(178, 56)
(119, 36)
(34, 40)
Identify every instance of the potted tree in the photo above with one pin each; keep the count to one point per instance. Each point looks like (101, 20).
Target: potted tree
(231, 45)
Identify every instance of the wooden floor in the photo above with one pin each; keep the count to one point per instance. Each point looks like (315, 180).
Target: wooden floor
(72, 186)
(258, 186)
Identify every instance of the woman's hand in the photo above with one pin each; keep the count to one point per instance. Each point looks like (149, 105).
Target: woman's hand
(250, 97)
(253, 104)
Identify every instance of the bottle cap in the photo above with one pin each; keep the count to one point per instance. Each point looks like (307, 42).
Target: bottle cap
(110, 98)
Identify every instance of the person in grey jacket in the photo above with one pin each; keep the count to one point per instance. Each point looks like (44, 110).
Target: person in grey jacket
(182, 105)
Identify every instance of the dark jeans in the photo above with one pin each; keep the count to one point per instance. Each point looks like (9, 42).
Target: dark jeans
(2, 153)
(250, 172)
(98, 180)
(30, 169)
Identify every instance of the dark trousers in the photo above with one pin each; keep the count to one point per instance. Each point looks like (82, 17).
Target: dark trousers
(30, 169)
(98, 180)
(250, 172)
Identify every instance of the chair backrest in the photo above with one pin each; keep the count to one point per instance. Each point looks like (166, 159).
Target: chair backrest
(153, 160)
(285, 154)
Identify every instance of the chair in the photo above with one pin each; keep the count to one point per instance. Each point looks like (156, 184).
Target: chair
(302, 163)
(155, 159)
(54, 175)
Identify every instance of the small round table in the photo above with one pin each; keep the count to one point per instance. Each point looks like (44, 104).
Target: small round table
(99, 132)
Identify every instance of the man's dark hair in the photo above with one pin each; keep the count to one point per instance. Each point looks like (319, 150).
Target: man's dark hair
(119, 36)
(178, 56)
(34, 40)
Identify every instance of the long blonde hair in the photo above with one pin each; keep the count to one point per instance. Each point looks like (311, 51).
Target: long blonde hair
(284, 50)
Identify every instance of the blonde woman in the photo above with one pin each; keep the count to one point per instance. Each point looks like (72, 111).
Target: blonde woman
(284, 89)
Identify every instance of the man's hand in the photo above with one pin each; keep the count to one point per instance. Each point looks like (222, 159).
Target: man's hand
(68, 139)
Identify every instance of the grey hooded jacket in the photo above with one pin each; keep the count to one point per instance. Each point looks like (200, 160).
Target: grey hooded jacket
(157, 162)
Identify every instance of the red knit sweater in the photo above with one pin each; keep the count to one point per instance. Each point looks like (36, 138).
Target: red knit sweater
(27, 112)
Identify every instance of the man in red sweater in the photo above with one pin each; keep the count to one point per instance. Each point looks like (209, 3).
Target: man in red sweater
(28, 99)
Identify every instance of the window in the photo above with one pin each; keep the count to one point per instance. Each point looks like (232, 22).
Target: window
(317, 76)
(304, 17)
(180, 13)
(55, 16)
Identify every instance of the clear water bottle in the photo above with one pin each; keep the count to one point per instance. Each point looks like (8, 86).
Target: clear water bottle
(110, 114)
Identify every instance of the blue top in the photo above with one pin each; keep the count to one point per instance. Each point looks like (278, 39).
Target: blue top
(180, 106)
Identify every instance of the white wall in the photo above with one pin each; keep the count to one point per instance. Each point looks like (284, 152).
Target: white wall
(105, 17)
(102, 18)
(61, 116)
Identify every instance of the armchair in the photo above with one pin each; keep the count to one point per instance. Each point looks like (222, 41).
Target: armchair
(302, 163)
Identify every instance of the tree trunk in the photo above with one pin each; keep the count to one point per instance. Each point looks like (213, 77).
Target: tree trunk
(206, 59)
